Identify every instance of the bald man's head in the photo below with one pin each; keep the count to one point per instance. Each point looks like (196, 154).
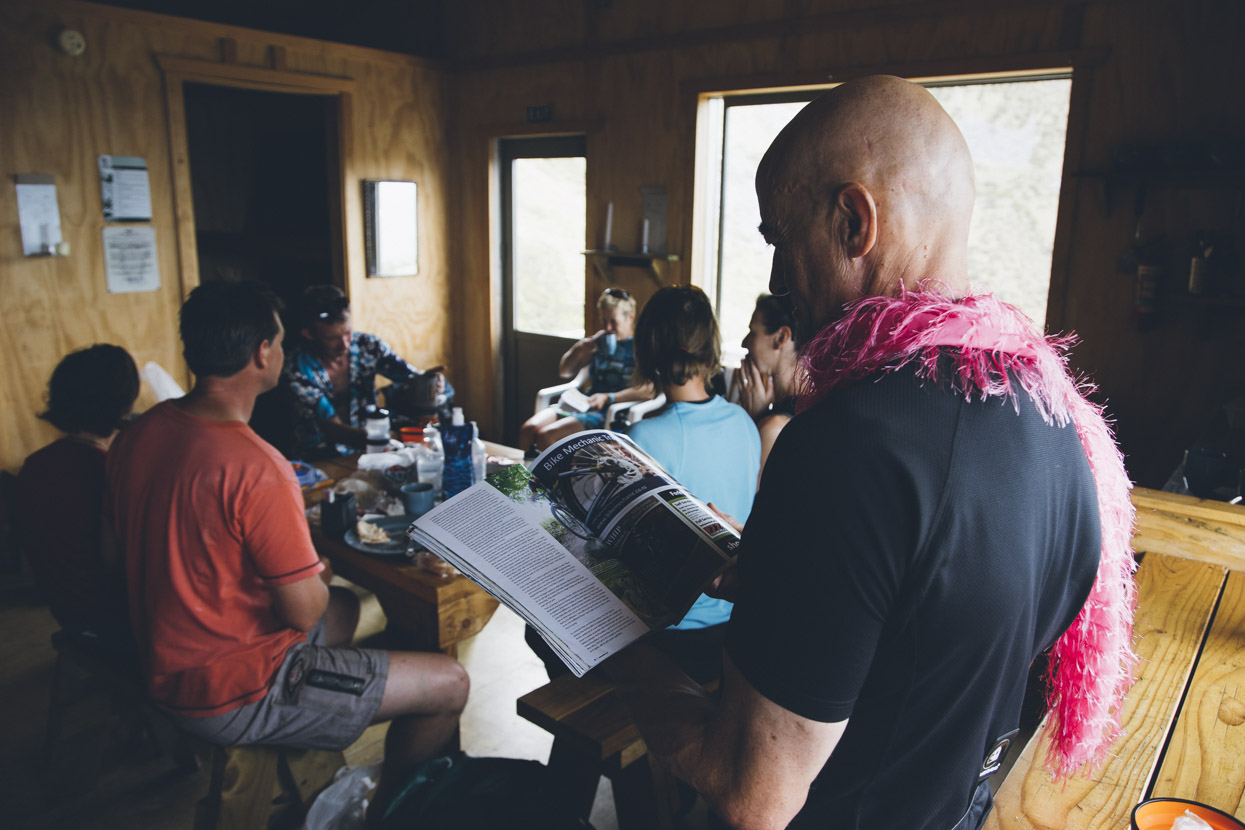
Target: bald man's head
(869, 187)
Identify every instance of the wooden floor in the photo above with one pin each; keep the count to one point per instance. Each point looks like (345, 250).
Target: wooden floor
(140, 789)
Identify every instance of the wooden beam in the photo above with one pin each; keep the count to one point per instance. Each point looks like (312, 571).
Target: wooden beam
(1191, 528)
(254, 77)
(783, 27)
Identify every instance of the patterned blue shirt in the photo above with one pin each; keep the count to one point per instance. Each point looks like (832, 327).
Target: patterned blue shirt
(311, 391)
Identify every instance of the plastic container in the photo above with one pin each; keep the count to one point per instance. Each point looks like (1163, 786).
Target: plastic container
(479, 455)
(431, 461)
(376, 422)
(458, 440)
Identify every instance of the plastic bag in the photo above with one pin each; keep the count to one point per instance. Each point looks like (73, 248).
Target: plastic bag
(342, 805)
(1190, 821)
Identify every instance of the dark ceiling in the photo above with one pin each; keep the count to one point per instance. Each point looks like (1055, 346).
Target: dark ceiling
(410, 26)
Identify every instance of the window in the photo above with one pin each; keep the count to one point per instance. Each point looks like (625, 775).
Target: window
(549, 228)
(1015, 130)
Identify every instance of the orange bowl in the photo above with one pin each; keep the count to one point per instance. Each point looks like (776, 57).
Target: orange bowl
(1160, 813)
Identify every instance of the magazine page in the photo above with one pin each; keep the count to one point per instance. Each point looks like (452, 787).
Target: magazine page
(609, 484)
(512, 538)
(595, 547)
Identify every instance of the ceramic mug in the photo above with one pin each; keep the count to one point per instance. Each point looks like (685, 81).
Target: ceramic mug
(417, 498)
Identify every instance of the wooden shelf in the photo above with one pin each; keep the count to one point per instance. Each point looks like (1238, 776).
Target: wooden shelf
(605, 262)
(1142, 180)
(1216, 302)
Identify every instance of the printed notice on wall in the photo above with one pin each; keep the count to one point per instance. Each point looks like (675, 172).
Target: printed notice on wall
(130, 259)
(37, 213)
(124, 189)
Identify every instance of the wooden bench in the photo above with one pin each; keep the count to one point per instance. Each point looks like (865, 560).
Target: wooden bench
(249, 784)
(1184, 719)
(593, 735)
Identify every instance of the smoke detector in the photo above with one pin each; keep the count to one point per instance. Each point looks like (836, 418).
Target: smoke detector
(71, 42)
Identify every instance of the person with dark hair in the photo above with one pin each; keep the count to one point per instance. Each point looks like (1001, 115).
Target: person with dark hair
(240, 638)
(708, 444)
(766, 377)
(945, 505)
(331, 376)
(609, 356)
(90, 394)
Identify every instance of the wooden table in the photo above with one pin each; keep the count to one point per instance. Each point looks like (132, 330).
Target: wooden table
(1184, 718)
(434, 613)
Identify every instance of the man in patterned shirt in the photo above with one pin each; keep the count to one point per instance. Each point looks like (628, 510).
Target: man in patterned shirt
(331, 377)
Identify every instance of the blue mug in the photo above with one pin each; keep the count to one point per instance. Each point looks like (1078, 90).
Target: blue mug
(417, 498)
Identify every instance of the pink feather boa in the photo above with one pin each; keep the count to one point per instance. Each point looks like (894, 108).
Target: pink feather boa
(1092, 663)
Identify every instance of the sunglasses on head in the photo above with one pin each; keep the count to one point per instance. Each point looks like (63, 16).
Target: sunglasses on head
(618, 293)
(335, 307)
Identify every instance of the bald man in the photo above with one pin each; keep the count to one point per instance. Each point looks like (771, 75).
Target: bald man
(915, 541)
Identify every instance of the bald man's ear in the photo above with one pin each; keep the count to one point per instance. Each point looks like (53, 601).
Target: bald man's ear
(857, 225)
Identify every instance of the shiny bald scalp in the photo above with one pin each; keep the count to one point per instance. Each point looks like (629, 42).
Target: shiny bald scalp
(889, 138)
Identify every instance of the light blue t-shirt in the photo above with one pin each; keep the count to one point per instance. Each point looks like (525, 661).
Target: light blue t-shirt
(714, 450)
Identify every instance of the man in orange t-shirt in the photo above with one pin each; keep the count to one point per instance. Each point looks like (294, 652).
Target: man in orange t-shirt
(239, 636)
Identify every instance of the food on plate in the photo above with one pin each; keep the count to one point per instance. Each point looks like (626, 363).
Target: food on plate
(371, 534)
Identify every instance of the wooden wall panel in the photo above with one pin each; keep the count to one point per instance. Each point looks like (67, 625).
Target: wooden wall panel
(637, 67)
(59, 113)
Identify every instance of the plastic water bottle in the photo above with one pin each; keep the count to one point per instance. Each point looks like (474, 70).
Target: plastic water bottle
(458, 439)
(431, 459)
(479, 455)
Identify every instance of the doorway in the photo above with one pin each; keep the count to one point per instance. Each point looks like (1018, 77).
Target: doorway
(263, 168)
(543, 199)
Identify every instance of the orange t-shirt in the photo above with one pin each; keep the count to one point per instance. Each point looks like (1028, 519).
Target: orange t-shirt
(210, 517)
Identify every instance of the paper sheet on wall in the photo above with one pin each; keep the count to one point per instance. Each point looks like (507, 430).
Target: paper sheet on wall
(130, 259)
(124, 189)
(38, 213)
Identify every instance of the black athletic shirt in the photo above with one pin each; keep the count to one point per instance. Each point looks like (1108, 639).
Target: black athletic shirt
(909, 553)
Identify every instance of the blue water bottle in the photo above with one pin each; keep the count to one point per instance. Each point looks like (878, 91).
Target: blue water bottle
(456, 440)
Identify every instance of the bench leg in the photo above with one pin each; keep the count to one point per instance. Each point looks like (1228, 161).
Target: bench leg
(243, 783)
(307, 772)
(645, 797)
(578, 777)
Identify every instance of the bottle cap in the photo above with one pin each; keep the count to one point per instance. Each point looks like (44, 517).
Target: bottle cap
(456, 418)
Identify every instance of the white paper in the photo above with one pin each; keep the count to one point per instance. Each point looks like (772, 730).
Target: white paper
(39, 217)
(124, 188)
(130, 259)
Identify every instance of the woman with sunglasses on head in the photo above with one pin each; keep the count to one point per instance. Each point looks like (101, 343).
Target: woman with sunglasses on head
(610, 359)
(766, 378)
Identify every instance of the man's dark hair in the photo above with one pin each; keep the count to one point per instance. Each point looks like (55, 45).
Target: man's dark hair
(92, 390)
(223, 323)
(775, 311)
(321, 304)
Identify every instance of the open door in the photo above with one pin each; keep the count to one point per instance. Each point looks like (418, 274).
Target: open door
(543, 197)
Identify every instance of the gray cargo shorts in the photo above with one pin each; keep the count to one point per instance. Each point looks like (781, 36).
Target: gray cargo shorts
(322, 698)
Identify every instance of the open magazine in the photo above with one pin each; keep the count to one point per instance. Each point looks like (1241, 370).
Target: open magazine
(595, 547)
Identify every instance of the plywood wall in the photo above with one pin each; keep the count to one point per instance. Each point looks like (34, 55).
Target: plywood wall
(58, 113)
(632, 70)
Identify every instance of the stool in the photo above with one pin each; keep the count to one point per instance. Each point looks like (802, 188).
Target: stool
(593, 735)
(81, 674)
(249, 784)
